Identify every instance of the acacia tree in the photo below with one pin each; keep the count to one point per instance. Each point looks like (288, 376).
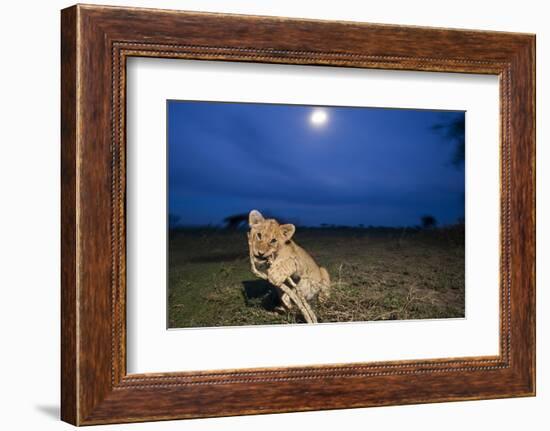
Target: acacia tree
(428, 221)
(454, 132)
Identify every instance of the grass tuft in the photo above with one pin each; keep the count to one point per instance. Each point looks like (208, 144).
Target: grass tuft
(377, 274)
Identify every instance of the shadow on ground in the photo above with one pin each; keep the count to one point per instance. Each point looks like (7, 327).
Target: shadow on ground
(52, 411)
(260, 292)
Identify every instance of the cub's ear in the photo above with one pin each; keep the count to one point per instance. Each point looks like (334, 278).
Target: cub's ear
(288, 230)
(255, 217)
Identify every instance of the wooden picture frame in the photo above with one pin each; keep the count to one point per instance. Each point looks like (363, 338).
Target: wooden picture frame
(95, 43)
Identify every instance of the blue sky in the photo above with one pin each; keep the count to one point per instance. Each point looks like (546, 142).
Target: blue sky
(370, 166)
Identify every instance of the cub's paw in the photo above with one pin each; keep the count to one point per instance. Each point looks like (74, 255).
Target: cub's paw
(279, 309)
(276, 278)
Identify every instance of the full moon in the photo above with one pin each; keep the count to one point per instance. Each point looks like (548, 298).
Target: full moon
(318, 117)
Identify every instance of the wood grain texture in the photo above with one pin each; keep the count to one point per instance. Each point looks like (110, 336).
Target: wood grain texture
(96, 41)
(69, 366)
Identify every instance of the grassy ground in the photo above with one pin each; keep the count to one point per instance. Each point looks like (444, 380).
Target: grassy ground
(377, 274)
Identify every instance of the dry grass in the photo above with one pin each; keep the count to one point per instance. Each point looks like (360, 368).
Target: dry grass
(377, 274)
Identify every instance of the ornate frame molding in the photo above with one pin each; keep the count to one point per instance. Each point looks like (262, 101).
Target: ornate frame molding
(96, 41)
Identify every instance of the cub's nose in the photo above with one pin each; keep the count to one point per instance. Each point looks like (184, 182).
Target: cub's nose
(261, 254)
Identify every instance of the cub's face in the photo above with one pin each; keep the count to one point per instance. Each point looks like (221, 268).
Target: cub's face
(266, 236)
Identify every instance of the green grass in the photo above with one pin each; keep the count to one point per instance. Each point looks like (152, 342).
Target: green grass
(377, 274)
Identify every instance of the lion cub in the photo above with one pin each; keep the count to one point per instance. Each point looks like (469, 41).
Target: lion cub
(275, 257)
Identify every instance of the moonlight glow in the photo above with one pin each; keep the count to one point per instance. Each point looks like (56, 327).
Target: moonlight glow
(318, 117)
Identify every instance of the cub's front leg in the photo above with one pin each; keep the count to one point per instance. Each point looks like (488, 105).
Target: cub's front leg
(280, 270)
(277, 274)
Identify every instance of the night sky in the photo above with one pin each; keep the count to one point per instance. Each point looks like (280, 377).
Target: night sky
(369, 166)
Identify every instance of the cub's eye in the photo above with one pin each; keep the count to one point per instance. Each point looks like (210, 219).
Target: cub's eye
(259, 235)
(273, 241)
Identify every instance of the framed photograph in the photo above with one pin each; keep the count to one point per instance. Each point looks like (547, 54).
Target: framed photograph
(264, 214)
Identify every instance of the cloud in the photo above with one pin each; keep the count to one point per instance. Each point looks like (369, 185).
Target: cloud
(267, 153)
